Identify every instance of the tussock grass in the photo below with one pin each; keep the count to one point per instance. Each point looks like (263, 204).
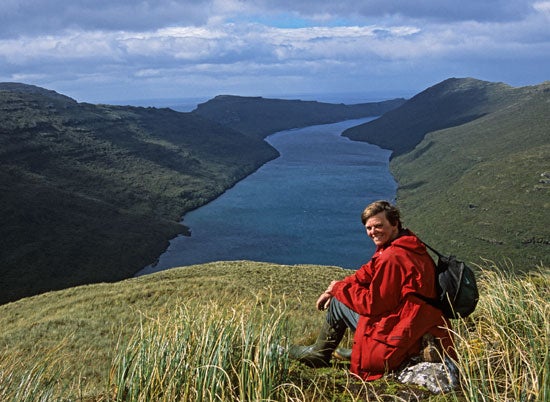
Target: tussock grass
(34, 378)
(504, 350)
(203, 353)
(213, 333)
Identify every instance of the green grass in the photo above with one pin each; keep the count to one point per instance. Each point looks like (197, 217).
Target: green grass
(210, 332)
(505, 355)
(204, 353)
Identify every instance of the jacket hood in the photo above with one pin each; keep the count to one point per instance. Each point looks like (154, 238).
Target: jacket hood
(409, 241)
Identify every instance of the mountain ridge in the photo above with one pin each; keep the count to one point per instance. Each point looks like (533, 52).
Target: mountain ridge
(80, 182)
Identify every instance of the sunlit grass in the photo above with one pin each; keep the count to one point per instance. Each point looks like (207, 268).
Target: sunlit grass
(34, 378)
(204, 342)
(504, 350)
(204, 353)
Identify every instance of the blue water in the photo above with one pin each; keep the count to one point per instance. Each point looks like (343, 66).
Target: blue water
(303, 207)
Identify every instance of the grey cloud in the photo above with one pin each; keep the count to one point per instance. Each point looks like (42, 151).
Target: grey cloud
(36, 17)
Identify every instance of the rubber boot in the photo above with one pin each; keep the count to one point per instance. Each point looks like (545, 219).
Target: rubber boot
(319, 354)
(343, 354)
(430, 351)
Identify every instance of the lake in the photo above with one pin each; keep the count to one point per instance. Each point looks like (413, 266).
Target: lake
(301, 208)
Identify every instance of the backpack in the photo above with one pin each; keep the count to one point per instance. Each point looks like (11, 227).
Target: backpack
(456, 287)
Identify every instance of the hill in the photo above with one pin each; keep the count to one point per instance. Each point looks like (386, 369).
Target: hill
(472, 160)
(86, 322)
(93, 193)
(450, 103)
(262, 116)
(81, 343)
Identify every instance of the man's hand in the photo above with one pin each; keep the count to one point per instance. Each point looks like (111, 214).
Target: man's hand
(323, 301)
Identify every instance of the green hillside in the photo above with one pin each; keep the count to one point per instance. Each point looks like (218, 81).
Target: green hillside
(262, 116)
(480, 186)
(94, 192)
(86, 322)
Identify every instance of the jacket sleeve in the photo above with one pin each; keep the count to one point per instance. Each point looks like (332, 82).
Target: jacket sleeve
(377, 296)
(362, 276)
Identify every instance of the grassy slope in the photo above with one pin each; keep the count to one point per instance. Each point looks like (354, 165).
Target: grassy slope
(475, 189)
(79, 329)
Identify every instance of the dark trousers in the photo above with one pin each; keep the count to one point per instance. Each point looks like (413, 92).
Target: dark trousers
(339, 314)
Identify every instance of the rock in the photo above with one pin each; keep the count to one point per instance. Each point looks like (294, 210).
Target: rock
(436, 377)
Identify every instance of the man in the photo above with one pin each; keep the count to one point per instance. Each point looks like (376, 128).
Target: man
(380, 303)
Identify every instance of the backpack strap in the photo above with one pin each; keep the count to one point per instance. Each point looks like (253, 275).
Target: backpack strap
(431, 248)
(432, 301)
(435, 302)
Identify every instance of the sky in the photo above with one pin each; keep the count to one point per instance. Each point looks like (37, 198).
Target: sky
(103, 51)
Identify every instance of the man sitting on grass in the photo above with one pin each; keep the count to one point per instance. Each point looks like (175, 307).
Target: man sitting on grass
(379, 303)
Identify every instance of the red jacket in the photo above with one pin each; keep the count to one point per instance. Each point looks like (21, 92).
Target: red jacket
(392, 320)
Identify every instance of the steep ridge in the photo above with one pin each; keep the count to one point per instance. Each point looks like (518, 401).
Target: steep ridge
(450, 103)
(479, 189)
(262, 116)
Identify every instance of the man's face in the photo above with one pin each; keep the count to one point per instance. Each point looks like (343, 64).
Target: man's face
(380, 230)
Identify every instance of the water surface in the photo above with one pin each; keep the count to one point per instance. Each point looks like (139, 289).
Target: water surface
(303, 207)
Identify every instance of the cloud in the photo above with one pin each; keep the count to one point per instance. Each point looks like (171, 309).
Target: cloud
(38, 17)
(98, 48)
(225, 44)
